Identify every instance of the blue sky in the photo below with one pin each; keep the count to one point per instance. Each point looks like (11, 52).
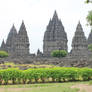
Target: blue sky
(36, 15)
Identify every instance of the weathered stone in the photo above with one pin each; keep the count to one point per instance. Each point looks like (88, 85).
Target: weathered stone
(90, 38)
(55, 37)
(3, 46)
(22, 42)
(39, 53)
(10, 43)
(79, 43)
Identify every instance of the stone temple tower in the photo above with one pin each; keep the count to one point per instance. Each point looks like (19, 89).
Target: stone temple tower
(22, 42)
(3, 46)
(10, 43)
(90, 38)
(55, 37)
(79, 43)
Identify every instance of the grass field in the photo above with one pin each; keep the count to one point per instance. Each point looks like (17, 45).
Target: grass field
(47, 87)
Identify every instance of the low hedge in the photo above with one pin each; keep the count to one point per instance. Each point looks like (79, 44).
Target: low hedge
(16, 76)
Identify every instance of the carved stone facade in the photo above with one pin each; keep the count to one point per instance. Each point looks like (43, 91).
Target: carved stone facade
(17, 44)
(10, 42)
(90, 38)
(3, 46)
(79, 43)
(22, 42)
(55, 37)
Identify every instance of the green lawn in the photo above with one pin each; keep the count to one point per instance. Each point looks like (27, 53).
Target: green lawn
(47, 87)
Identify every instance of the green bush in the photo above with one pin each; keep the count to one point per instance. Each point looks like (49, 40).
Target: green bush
(59, 74)
(59, 53)
(86, 74)
(3, 54)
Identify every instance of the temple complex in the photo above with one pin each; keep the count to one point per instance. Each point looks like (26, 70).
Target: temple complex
(55, 38)
(17, 44)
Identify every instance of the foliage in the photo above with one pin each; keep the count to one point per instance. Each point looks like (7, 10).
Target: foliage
(59, 53)
(3, 54)
(90, 47)
(88, 1)
(89, 18)
(59, 74)
(86, 73)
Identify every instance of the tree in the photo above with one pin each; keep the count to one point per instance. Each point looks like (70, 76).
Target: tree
(89, 18)
(59, 53)
(88, 1)
(3, 54)
(90, 47)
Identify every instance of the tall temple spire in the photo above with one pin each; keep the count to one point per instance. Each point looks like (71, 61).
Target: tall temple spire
(79, 27)
(90, 38)
(3, 43)
(22, 42)
(11, 40)
(11, 36)
(13, 31)
(22, 29)
(55, 36)
(3, 46)
(79, 43)
(55, 16)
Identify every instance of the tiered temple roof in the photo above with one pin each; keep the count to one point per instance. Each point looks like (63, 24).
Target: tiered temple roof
(10, 46)
(55, 36)
(79, 43)
(22, 41)
(90, 38)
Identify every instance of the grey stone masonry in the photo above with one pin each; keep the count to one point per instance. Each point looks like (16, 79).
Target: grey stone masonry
(10, 43)
(3, 46)
(22, 42)
(79, 43)
(90, 38)
(55, 37)
(39, 53)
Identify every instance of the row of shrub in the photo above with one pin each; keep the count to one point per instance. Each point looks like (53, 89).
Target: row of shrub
(16, 76)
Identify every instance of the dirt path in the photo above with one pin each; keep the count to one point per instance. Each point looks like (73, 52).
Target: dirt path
(83, 87)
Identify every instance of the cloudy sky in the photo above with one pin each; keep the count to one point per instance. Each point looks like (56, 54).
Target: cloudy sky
(36, 15)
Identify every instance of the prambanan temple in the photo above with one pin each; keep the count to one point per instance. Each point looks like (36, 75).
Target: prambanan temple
(55, 38)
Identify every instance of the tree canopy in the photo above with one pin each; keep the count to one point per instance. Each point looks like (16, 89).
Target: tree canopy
(88, 1)
(89, 18)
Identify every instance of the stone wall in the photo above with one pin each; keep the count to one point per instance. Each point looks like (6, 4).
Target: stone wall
(63, 62)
